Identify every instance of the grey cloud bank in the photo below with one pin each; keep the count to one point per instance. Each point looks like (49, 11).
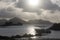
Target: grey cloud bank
(49, 10)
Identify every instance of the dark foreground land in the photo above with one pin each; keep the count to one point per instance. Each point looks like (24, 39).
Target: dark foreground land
(25, 38)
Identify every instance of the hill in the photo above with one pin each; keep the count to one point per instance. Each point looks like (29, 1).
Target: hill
(56, 26)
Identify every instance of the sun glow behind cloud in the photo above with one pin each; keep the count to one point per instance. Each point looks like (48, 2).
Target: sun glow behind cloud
(32, 3)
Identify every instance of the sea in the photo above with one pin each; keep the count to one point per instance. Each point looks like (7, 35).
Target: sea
(29, 29)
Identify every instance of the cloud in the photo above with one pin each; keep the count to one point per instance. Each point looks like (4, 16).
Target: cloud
(49, 5)
(3, 9)
(8, 10)
(57, 2)
(50, 16)
(29, 16)
(48, 11)
(45, 4)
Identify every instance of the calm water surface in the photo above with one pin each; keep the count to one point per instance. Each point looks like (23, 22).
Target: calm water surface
(17, 30)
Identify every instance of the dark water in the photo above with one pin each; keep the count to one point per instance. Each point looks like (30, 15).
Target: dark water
(38, 38)
(17, 30)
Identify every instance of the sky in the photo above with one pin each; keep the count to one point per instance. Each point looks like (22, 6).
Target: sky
(48, 10)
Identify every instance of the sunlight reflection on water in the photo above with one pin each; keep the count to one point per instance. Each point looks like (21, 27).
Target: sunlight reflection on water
(31, 30)
(34, 37)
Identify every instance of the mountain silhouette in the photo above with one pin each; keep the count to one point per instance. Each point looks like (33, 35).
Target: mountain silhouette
(2, 21)
(16, 20)
(40, 22)
(55, 26)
